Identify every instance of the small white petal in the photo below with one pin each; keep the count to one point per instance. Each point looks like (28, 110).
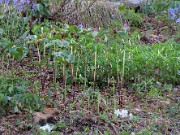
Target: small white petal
(117, 112)
(150, 113)
(130, 116)
(9, 98)
(16, 109)
(47, 127)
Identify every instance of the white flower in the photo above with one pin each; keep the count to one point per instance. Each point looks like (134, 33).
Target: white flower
(9, 98)
(117, 112)
(158, 83)
(123, 113)
(94, 33)
(130, 116)
(150, 113)
(16, 109)
(47, 127)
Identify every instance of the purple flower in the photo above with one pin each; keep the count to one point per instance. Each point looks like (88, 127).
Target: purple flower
(113, 15)
(7, 1)
(14, 1)
(178, 21)
(177, 9)
(18, 3)
(80, 26)
(172, 13)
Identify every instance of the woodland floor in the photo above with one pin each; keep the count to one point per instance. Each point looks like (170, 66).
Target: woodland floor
(160, 114)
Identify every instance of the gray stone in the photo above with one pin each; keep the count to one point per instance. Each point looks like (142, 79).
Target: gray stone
(137, 3)
(134, 3)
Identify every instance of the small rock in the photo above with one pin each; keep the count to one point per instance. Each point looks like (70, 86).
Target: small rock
(138, 3)
(39, 117)
(48, 116)
(51, 111)
(134, 3)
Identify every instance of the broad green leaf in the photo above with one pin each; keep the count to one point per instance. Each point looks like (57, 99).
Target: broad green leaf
(61, 125)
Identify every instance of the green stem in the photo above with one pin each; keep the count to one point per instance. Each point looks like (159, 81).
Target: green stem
(95, 64)
(85, 73)
(123, 67)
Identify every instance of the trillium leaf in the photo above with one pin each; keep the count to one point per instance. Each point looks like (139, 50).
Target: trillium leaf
(58, 54)
(17, 52)
(48, 44)
(24, 35)
(39, 7)
(32, 37)
(70, 58)
(60, 43)
(5, 43)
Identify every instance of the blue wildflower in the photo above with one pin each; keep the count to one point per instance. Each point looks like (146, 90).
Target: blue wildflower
(178, 21)
(177, 9)
(18, 3)
(7, 1)
(172, 13)
(80, 26)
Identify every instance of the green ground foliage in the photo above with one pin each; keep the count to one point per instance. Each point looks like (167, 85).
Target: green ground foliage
(89, 66)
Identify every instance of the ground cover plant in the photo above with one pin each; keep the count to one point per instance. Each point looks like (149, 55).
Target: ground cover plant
(114, 75)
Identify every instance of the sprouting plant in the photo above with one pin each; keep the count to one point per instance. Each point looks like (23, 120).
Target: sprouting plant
(14, 96)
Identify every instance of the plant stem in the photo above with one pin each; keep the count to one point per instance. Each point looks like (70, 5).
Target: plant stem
(95, 63)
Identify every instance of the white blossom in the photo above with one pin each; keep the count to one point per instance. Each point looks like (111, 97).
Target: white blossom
(47, 127)
(123, 113)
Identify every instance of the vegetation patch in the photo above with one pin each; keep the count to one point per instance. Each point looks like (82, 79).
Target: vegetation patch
(95, 70)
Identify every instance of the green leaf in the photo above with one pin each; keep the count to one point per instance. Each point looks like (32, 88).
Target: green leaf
(17, 52)
(61, 125)
(116, 23)
(58, 54)
(39, 7)
(60, 43)
(24, 35)
(70, 58)
(104, 116)
(124, 133)
(122, 7)
(11, 89)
